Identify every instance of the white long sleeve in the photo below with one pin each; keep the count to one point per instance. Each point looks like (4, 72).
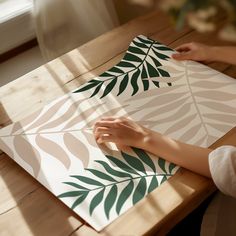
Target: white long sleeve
(222, 162)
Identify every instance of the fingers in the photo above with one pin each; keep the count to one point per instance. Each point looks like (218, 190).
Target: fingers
(184, 47)
(106, 138)
(183, 56)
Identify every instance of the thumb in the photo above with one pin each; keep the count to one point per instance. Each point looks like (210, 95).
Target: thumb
(182, 56)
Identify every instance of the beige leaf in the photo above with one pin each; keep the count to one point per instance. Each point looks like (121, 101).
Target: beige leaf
(181, 112)
(211, 139)
(218, 106)
(163, 99)
(77, 148)
(166, 108)
(28, 153)
(6, 149)
(221, 117)
(171, 69)
(90, 138)
(111, 112)
(210, 85)
(199, 75)
(83, 116)
(221, 127)
(216, 95)
(200, 141)
(64, 117)
(189, 134)
(180, 124)
(29, 119)
(49, 113)
(165, 79)
(154, 92)
(53, 149)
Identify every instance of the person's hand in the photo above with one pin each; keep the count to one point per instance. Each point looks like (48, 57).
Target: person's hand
(194, 51)
(121, 131)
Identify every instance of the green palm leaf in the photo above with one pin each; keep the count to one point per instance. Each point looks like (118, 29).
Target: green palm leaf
(125, 64)
(134, 162)
(163, 179)
(114, 172)
(71, 194)
(153, 184)
(143, 76)
(161, 163)
(87, 180)
(171, 167)
(124, 195)
(79, 200)
(97, 89)
(136, 50)
(101, 175)
(131, 57)
(160, 55)
(122, 165)
(163, 73)
(116, 70)
(96, 201)
(140, 45)
(156, 62)
(152, 71)
(86, 87)
(123, 84)
(146, 41)
(110, 200)
(75, 185)
(134, 81)
(163, 48)
(109, 87)
(145, 158)
(140, 190)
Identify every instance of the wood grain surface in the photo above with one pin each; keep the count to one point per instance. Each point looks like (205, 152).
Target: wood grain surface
(27, 208)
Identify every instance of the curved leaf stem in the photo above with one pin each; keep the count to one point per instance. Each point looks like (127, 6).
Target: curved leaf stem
(135, 68)
(128, 180)
(194, 100)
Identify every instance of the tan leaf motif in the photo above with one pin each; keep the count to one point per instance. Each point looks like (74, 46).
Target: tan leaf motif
(163, 99)
(153, 92)
(28, 153)
(180, 124)
(166, 108)
(83, 116)
(29, 119)
(65, 116)
(53, 149)
(209, 85)
(221, 117)
(171, 69)
(77, 148)
(6, 149)
(181, 112)
(111, 112)
(218, 106)
(200, 141)
(49, 113)
(90, 138)
(199, 75)
(216, 95)
(165, 79)
(221, 127)
(190, 133)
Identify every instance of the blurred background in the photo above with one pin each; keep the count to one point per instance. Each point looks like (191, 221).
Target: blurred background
(33, 32)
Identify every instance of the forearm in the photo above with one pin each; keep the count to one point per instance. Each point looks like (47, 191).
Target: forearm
(225, 54)
(188, 156)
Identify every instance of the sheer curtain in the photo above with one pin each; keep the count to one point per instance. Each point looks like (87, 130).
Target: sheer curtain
(62, 25)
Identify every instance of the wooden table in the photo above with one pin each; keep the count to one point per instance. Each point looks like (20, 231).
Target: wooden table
(27, 208)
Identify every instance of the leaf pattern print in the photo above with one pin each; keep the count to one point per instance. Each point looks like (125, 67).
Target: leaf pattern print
(128, 170)
(142, 60)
